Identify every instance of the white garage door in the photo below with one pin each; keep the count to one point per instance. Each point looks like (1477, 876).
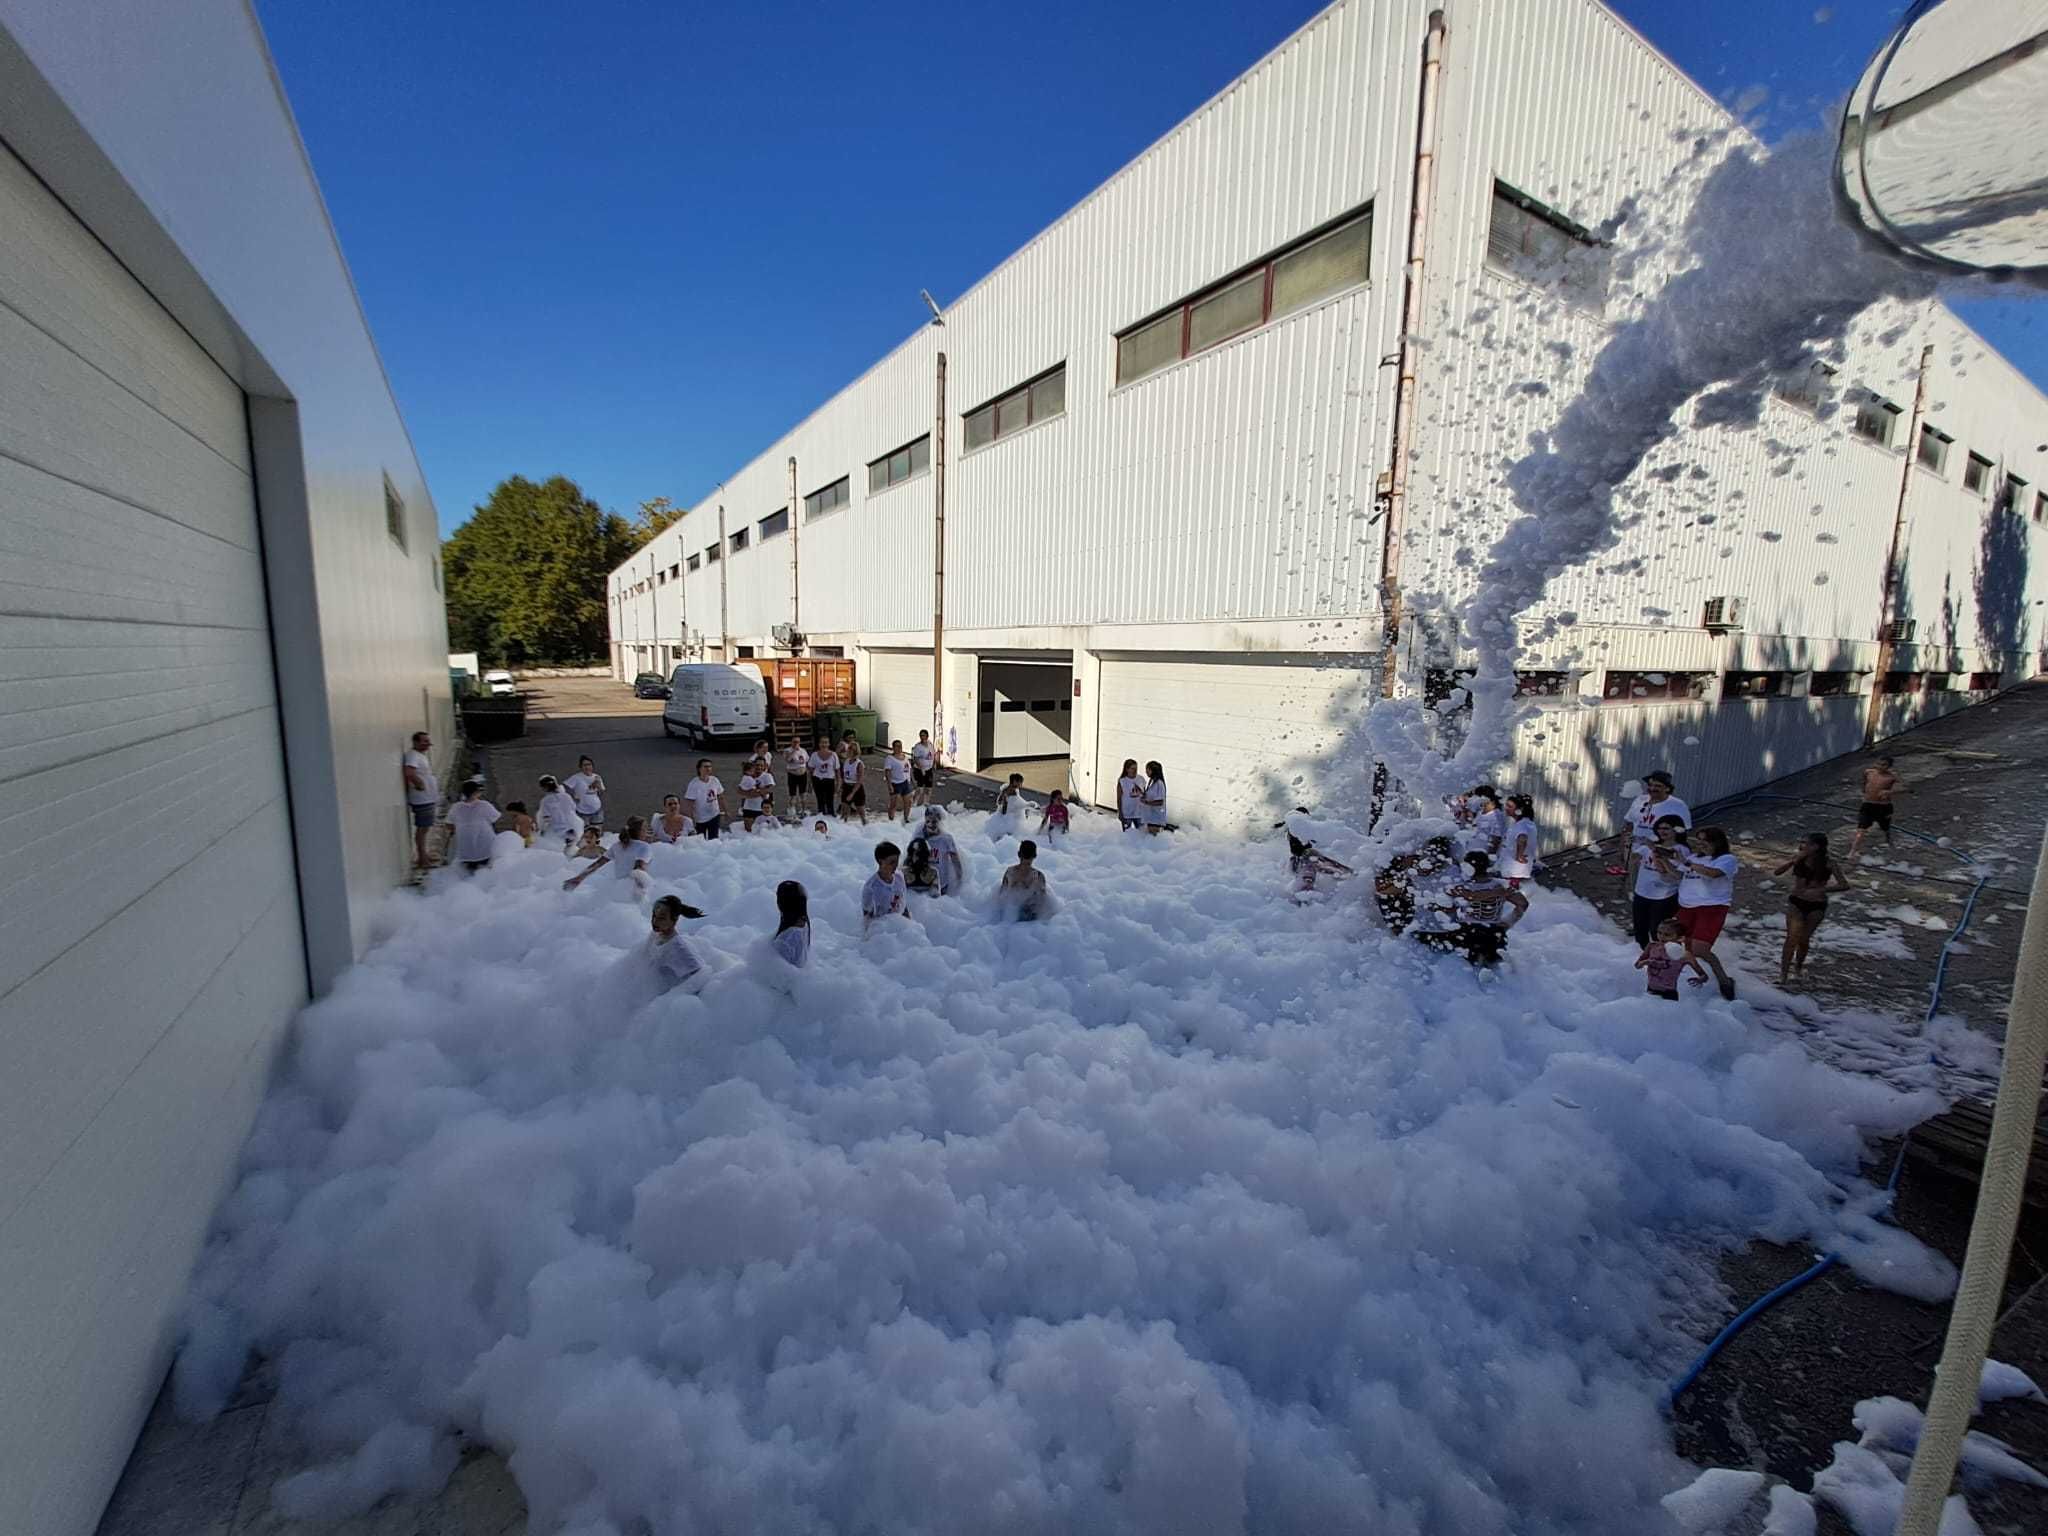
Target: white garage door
(899, 689)
(150, 945)
(1242, 741)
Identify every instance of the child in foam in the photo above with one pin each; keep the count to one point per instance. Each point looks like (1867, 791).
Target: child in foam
(792, 941)
(1154, 798)
(475, 821)
(667, 954)
(705, 796)
(627, 858)
(1663, 958)
(1054, 822)
(673, 824)
(884, 895)
(556, 821)
(1521, 842)
(946, 858)
(920, 874)
(853, 796)
(1486, 907)
(1706, 890)
(1130, 796)
(1306, 864)
(522, 821)
(587, 785)
(897, 770)
(1023, 889)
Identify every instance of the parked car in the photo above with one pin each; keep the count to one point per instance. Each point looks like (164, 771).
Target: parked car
(707, 702)
(650, 685)
(498, 684)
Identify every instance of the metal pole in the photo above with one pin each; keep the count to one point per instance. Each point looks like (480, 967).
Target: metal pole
(1888, 593)
(1982, 1286)
(1411, 326)
(795, 623)
(724, 631)
(939, 554)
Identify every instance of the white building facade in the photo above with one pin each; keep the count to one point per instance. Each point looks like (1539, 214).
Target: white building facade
(1169, 434)
(220, 618)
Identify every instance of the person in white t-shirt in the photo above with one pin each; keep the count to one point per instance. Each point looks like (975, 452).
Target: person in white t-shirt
(1130, 796)
(884, 895)
(1486, 907)
(1706, 890)
(923, 769)
(945, 852)
(1640, 824)
(673, 823)
(796, 775)
(757, 785)
(586, 786)
(422, 796)
(627, 858)
(1489, 826)
(853, 791)
(1519, 844)
(555, 820)
(824, 776)
(703, 796)
(667, 953)
(1155, 799)
(475, 821)
(1654, 900)
(897, 770)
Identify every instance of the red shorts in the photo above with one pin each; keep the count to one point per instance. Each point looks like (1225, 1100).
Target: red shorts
(1702, 925)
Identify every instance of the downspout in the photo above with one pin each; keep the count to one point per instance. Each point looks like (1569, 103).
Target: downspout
(1888, 593)
(1411, 324)
(724, 630)
(795, 623)
(939, 556)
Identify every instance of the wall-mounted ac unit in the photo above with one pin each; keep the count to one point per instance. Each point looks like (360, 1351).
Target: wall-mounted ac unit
(1900, 631)
(1722, 613)
(785, 635)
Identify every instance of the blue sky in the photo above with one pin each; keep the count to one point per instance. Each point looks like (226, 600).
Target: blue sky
(632, 243)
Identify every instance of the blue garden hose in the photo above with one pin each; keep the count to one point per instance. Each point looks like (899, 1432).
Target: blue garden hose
(1769, 1299)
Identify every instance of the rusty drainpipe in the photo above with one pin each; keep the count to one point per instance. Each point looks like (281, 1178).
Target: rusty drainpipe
(1888, 593)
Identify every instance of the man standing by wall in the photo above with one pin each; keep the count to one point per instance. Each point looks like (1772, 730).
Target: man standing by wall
(422, 796)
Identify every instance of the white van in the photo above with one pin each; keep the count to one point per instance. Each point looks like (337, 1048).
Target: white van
(711, 701)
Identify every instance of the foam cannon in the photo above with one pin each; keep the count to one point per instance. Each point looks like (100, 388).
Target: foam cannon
(1943, 151)
(1944, 158)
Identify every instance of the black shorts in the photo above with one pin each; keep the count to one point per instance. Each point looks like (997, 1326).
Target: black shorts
(823, 788)
(471, 866)
(856, 797)
(921, 777)
(1874, 813)
(1669, 997)
(710, 828)
(1808, 905)
(797, 783)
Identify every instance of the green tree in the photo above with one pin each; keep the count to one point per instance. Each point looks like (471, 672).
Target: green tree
(525, 576)
(655, 515)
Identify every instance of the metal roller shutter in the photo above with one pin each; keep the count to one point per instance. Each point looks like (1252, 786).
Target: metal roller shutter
(899, 686)
(1242, 740)
(150, 941)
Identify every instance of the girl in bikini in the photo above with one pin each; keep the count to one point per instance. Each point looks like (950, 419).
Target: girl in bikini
(1814, 874)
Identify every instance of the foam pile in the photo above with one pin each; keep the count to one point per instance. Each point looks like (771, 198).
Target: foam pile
(1191, 1209)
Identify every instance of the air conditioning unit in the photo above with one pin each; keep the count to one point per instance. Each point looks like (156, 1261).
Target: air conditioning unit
(1900, 631)
(1722, 613)
(785, 635)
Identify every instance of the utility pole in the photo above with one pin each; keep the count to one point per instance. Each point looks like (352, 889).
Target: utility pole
(795, 620)
(1888, 594)
(938, 537)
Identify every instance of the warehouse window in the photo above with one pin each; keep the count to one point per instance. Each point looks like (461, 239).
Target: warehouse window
(738, 541)
(906, 463)
(1540, 245)
(1542, 685)
(830, 498)
(674, 571)
(394, 514)
(1898, 682)
(2041, 506)
(1807, 389)
(1037, 400)
(1984, 682)
(1976, 473)
(2012, 495)
(694, 561)
(1311, 269)
(1831, 685)
(773, 523)
(1753, 685)
(710, 554)
(1653, 687)
(1876, 420)
(1933, 450)
(1941, 682)
(661, 580)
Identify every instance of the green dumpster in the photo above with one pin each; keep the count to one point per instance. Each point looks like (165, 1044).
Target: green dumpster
(861, 722)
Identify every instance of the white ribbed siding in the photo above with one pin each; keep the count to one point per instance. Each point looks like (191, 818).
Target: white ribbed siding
(1234, 486)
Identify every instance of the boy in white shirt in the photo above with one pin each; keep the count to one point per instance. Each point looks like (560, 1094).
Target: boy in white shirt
(702, 795)
(884, 894)
(475, 821)
(923, 761)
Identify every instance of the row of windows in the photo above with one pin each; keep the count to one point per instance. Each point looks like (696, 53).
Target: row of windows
(1877, 421)
(824, 500)
(1639, 687)
(1041, 399)
(906, 463)
(1291, 279)
(1538, 244)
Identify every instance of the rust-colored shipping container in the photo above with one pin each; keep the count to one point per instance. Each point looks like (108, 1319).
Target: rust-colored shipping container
(802, 686)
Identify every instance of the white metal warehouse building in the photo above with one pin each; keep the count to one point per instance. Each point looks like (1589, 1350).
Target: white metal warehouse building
(220, 617)
(1168, 442)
